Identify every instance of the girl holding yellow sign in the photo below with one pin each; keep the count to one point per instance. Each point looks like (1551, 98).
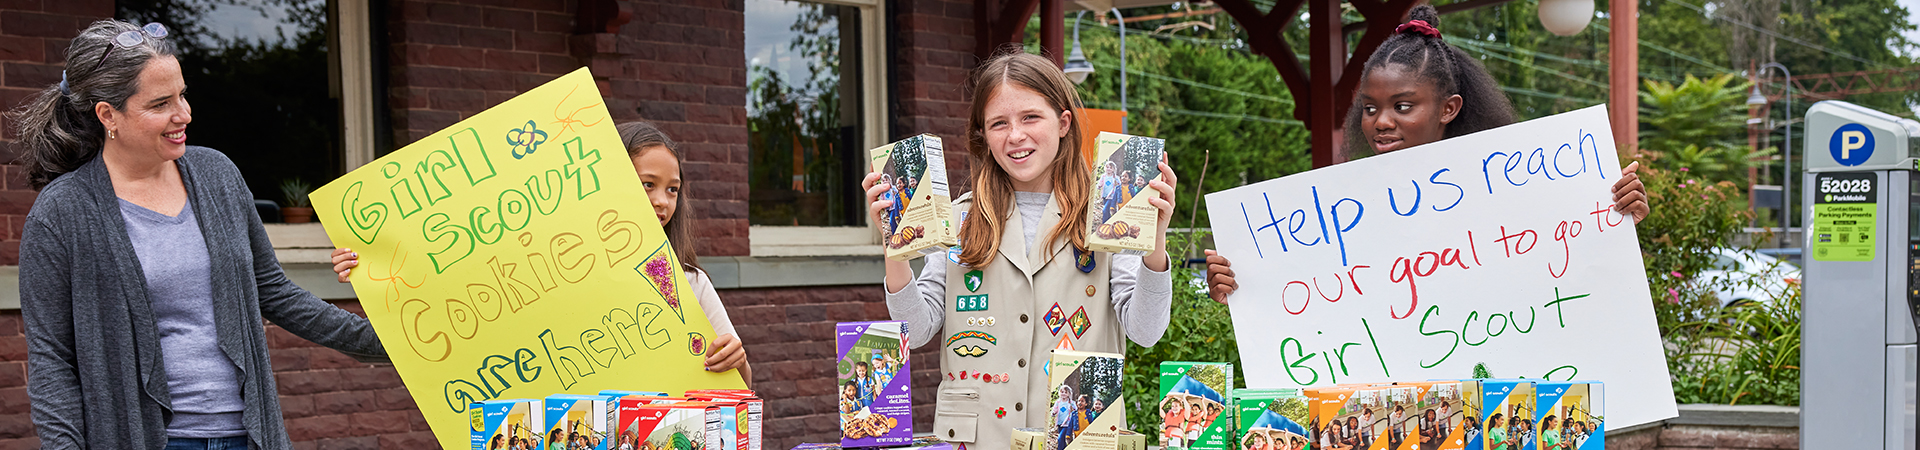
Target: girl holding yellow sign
(657, 159)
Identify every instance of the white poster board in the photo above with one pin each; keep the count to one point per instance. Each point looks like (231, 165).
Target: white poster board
(1499, 247)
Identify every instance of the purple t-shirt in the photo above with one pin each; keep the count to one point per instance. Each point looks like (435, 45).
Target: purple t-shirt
(205, 384)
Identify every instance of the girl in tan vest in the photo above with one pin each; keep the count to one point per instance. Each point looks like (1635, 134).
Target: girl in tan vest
(1029, 284)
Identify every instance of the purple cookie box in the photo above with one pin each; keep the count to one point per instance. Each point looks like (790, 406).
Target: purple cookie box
(884, 349)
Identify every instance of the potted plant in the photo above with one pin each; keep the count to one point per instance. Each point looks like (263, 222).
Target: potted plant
(297, 209)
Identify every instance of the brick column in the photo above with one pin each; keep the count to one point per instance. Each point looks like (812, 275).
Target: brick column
(33, 48)
(931, 48)
(687, 73)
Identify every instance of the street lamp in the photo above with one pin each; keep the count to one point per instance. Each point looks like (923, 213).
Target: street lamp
(1786, 191)
(1077, 67)
(1565, 17)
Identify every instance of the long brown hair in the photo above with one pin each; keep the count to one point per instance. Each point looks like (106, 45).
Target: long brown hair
(993, 187)
(638, 137)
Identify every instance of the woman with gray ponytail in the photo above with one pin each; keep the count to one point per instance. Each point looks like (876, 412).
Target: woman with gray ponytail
(144, 271)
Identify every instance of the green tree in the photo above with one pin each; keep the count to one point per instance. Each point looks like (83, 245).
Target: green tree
(1204, 92)
(1695, 125)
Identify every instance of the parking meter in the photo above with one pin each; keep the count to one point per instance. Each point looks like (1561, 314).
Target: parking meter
(1860, 254)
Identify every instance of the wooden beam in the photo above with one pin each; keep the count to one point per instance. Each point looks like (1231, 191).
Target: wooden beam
(1053, 34)
(1171, 15)
(1264, 32)
(1327, 50)
(1449, 8)
(1007, 24)
(1623, 77)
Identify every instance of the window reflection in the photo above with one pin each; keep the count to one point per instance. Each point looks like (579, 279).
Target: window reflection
(261, 82)
(803, 97)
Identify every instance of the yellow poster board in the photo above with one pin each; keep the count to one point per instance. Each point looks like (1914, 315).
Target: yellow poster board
(515, 255)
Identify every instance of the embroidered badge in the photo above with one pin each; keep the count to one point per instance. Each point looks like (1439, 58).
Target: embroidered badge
(1079, 322)
(1056, 318)
(973, 279)
(967, 303)
(953, 254)
(970, 350)
(1000, 413)
(972, 335)
(1083, 259)
(1090, 290)
(1066, 343)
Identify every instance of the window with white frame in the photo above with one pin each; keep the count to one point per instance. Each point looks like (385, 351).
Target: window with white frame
(282, 87)
(814, 106)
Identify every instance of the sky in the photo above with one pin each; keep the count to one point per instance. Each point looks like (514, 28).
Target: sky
(1913, 16)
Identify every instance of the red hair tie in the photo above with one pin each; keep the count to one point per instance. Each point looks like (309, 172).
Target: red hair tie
(1418, 26)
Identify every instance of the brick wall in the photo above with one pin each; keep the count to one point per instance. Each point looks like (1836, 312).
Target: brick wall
(16, 429)
(686, 71)
(33, 47)
(931, 44)
(789, 336)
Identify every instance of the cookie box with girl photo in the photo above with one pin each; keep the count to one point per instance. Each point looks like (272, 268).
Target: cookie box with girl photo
(918, 221)
(1119, 211)
(875, 405)
(1193, 408)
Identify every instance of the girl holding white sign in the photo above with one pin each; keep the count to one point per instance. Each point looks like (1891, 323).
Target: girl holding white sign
(1022, 261)
(1416, 90)
(657, 159)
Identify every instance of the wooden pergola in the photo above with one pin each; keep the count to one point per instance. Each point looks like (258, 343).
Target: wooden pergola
(1323, 85)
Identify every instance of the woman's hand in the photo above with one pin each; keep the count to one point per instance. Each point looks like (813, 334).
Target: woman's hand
(1220, 283)
(1157, 261)
(1629, 195)
(344, 260)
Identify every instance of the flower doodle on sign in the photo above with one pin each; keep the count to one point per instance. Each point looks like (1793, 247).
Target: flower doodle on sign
(568, 121)
(394, 280)
(528, 138)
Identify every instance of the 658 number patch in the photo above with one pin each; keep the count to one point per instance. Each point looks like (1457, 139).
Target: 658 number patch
(966, 303)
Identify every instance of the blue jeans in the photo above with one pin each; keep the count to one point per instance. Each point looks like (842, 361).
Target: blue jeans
(224, 443)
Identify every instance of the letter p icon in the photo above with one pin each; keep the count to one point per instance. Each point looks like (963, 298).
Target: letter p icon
(1849, 141)
(1851, 144)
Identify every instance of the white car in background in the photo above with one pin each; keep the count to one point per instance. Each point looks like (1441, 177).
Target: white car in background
(1744, 276)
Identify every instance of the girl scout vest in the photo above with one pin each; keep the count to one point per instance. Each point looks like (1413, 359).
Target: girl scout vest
(1003, 322)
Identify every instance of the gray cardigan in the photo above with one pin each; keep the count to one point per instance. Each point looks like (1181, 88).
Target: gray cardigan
(94, 371)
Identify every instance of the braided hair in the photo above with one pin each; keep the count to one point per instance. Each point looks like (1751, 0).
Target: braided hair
(1417, 47)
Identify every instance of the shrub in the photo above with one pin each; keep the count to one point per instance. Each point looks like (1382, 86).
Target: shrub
(1199, 330)
(1748, 353)
(1691, 218)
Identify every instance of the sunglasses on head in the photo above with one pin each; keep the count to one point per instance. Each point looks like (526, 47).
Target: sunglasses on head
(131, 38)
